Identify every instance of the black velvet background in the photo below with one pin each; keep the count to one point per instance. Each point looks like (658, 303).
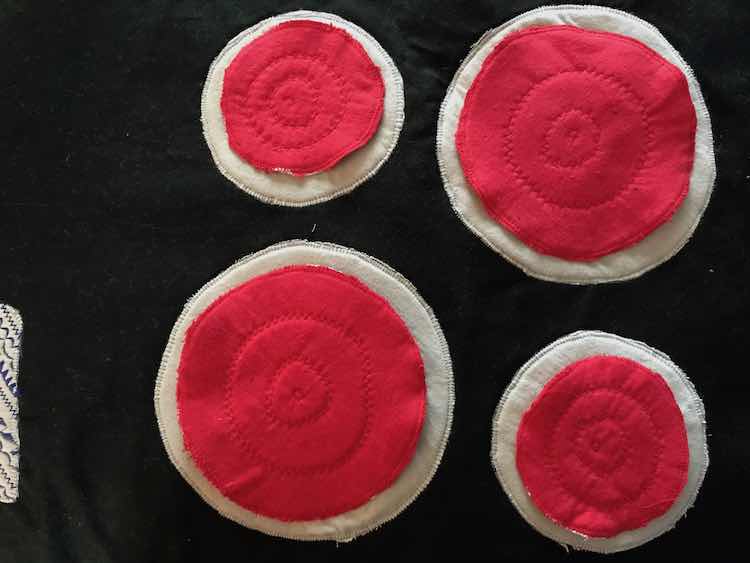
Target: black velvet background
(112, 214)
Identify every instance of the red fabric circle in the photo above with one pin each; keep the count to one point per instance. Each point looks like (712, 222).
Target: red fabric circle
(301, 393)
(603, 448)
(301, 97)
(579, 142)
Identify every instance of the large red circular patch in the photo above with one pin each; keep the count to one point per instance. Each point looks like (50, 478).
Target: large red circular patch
(579, 142)
(301, 97)
(301, 394)
(603, 448)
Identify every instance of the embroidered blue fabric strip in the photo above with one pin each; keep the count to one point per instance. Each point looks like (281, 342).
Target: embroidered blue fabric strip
(11, 329)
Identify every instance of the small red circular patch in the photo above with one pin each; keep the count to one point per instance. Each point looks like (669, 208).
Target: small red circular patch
(301, 97)
(579, 142)
(301, 393)
(603, 448)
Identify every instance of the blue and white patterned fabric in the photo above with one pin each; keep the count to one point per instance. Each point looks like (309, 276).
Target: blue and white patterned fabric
(11, 329)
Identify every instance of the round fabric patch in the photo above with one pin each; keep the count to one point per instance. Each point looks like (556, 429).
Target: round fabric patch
(306, 392)
(603, 448)
(301, 393)
(600, 442)
(301, 97)
(580, 142)
(574, 140)
(301, 108)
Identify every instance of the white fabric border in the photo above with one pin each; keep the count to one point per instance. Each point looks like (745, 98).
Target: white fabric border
(625, 264)
(423, 326)
(349, 172)
(527, 384)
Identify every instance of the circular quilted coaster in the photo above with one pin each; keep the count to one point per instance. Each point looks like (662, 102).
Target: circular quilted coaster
(600, 442)
(302, 107)
(306, 392)
(290, 105)
(574, 140)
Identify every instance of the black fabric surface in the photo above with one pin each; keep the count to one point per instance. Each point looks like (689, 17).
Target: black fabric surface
(113, 214)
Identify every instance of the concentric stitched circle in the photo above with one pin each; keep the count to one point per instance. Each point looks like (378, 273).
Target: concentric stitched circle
(303, 110)
(579, 142)
(603, 448)
(572, 142)
(294, 103)
(300, 97)
(301, 394)
(298, 393)
(572, 139)
(594, 424)
(300, 397)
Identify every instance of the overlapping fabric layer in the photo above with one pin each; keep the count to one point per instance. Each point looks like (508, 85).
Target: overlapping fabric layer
(575, 142)
(301, 97)
(306, 392)
(600, 442)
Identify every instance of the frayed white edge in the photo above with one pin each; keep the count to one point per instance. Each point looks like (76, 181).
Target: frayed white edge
(394, 100)
(569, 271)
(279, 528)
(626, 540)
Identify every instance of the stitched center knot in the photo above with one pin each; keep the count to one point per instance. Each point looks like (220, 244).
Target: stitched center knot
(601, 446)
(571, 140)
(295, 101)
(299, 393)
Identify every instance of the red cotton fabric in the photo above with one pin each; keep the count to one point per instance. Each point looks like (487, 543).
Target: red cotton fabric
(301, 97)
(603, 448)
(301, 394)
(579, 142)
